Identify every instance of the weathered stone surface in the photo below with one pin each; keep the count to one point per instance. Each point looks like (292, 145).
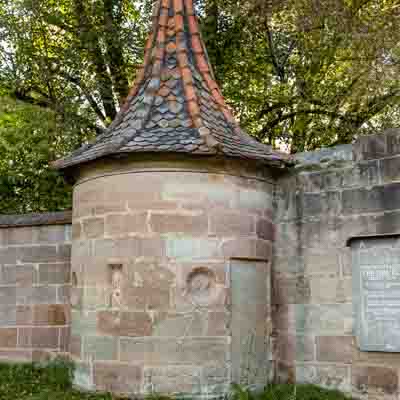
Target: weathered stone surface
(249, 317)
(36, 295)
(384, 359)
(76, 230)
(329, 376)
(326, 319)
(285, 372)
(200, 191)
(290, 290)
(25, 275)
(322, 262)
(25, 337)
(287, 265)
(322, 233)
(117, 378)
(339, 153)
(51, 234)
(294, 348)
(35, 219)
(93, 227)
(135, 324)
(54, 314)
(266, 230)
(65, 338)
(334, 348)
(236, 248)
(8, 337)
(156, 289)
(140, 298)
(129, 247)
(143, 350)
(312, 204)
(370, 147)
(83, 323)
(20, 236)
(286, 199)
(37, 254)
(173, 379)
(75, 346)
(330, 290)
(83, 375)
(47, 338)
(123, 224)
(264, 250)
(8, 295)
(16, 355)
(102, 348)
(376, 272)
(378, 198)
(8, 255)
(179, 223)
(196, 351)
(392, 141)
(367, 379)
(250, 198)
(189, 249)
(64, 294)
(204, 350)
(389, 169)
(231, 224)
(8, 315)
(8, 275)
(182, 324)
(54, 273)
(218, 323)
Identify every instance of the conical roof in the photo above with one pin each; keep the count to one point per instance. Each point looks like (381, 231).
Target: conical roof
(175, 104)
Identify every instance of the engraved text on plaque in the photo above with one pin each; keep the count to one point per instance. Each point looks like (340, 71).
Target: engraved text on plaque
(376, 293)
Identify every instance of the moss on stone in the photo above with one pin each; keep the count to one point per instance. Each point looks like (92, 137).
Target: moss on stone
(53, 381)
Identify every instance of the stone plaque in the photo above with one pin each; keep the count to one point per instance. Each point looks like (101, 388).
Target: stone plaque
(376, 293)
(250, 304)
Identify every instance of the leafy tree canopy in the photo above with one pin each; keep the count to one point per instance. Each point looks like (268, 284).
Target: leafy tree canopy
(301, 73)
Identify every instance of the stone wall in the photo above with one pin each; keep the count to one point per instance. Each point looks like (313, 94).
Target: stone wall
(168, 257)
(169, 262)
(34, 285)
(329, 197)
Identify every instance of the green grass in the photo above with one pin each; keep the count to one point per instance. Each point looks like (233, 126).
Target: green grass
(290, 392)
(35, 382)
(53, 382)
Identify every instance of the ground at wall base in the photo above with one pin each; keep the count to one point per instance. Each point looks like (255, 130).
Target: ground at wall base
(35, 382)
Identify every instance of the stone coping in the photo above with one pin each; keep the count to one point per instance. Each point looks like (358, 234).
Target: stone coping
(391, 235)
(36, 219)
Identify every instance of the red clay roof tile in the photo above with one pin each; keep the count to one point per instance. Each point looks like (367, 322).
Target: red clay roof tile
(174, 101)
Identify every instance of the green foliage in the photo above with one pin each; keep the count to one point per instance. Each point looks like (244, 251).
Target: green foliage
(288, 392)
(303, 73)
(36, 382)
(308, 73)
(53, 381)
(30, 137)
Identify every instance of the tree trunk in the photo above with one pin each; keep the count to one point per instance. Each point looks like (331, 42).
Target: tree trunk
(114, 50)
(89, 41)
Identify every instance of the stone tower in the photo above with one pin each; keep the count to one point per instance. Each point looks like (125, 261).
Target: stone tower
(172, 232)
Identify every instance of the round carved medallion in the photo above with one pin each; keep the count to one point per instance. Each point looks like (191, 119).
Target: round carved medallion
(201, 286)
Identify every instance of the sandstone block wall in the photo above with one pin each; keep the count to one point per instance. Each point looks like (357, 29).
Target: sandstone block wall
(332, 195)
(154, 249)
(34, 286)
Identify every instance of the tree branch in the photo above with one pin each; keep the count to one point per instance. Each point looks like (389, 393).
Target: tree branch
(293, 114)
(271, 47)
(89, 97)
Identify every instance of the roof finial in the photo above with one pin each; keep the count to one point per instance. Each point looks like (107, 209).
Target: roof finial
(175, 104)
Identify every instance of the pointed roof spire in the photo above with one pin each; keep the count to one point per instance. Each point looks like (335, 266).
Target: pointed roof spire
(175, 104)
